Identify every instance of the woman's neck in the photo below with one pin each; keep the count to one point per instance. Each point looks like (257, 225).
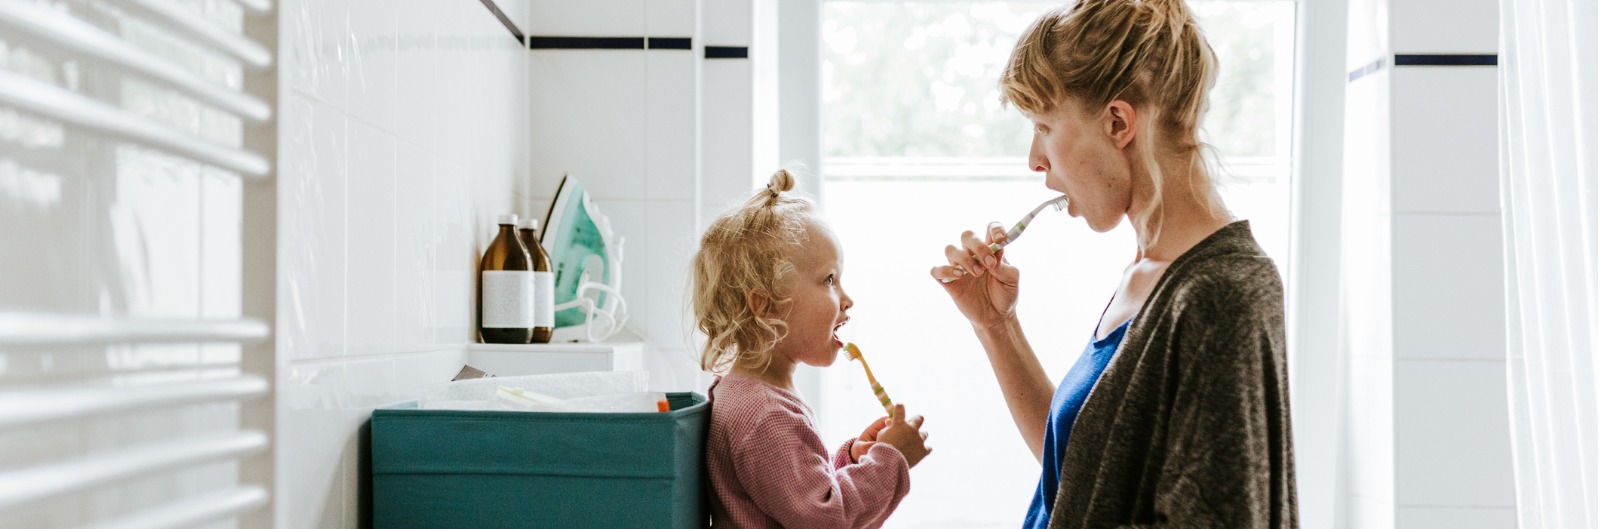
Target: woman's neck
(1189, 212)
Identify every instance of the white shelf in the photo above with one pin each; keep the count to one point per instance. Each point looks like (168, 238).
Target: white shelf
(537, 359)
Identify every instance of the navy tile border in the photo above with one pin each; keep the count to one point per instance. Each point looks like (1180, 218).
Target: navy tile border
(668, 43)
(505, 20)
(727, 52)
(608, 43)
(1446, 60)
(585, 43)
(1422, 59)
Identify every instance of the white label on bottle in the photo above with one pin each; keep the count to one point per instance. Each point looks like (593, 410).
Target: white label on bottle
(544, 299)
(507, 299)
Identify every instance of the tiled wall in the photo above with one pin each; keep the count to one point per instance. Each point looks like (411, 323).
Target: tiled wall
(1427, 429)
(663, 138)
(402, 136)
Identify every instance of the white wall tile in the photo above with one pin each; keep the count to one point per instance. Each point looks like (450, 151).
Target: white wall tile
(672, 239)
(456, 261)
(586, 111)
(727, 168)
(726, 22)
(1368, 28)
(311, 438)
(317, 52)
(1444, 26)
(372, 62)
(417, 94)
(414, 224)
(631, 220)
(371, 265)
(1367, 513)
(1456, 517)
(456, 130)
(594, 18)
(669, 18)
(1449, 287)
(671, 142)
(1370, 430)
(312, 194)
(1446, 134)
(1453, 437)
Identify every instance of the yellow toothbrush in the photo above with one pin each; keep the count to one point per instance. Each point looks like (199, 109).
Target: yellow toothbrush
(855, 354)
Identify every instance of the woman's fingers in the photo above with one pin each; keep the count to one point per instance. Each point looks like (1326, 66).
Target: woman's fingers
(977, 250)
(946, 274)
(962, 259)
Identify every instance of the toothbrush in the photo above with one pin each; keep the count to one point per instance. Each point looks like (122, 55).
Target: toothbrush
(1059, 203)
(855, 354)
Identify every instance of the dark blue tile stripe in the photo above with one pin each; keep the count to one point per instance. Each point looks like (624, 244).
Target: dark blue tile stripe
(1446, 60)
(586, 43)
(1427, 60)
(668, 43)
(504, 19)
(727, 52)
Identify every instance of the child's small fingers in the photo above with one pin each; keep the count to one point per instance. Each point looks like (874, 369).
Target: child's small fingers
(915, 421)
(899, 413)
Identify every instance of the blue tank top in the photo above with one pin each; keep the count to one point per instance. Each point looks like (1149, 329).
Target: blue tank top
(1064, 406)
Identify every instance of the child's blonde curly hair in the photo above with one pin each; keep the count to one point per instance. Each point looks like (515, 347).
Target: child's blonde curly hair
(747, 251)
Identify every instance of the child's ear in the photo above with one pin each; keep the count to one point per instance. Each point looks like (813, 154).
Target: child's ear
(757, 302)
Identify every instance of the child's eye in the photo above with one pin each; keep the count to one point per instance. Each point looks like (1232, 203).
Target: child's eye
(829, 280)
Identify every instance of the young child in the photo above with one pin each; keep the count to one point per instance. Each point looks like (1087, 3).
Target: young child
(767, 295)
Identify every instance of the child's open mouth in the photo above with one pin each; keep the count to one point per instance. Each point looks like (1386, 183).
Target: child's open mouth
(836, 341)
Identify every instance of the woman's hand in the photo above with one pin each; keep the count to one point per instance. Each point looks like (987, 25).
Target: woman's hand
(906, 435)
(867, 439)
(982, 283)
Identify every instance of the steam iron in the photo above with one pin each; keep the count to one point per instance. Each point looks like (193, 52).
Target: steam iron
(586, 258)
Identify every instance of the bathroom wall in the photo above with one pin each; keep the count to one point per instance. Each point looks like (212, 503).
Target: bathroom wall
(1427, 428)
(653, 105)
(401, 137)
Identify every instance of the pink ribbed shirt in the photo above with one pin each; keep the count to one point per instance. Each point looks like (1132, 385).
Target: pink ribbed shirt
(769, 468)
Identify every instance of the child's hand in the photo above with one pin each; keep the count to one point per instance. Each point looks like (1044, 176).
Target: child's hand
(868, 438)
(906, 436)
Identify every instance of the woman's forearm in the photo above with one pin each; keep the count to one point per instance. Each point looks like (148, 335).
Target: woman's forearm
(1022, 380)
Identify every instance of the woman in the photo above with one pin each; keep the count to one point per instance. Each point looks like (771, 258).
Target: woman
(1177, 412)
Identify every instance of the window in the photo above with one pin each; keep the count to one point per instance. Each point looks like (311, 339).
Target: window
(917, 149)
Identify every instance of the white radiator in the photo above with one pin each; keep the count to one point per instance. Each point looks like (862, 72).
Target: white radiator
(137, 263)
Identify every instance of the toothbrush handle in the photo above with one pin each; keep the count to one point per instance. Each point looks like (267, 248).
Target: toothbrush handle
(883, 398)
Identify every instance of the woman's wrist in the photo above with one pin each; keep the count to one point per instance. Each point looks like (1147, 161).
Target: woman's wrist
(1002, 329)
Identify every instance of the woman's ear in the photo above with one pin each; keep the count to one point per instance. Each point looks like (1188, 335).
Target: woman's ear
(1121, 121)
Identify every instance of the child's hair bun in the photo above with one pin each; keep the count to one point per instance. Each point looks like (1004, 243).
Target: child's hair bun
(781, 181)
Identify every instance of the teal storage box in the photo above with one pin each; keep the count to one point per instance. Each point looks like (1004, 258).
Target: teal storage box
(501, 469)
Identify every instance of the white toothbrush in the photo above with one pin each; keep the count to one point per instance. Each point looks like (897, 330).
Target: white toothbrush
(1059, 203)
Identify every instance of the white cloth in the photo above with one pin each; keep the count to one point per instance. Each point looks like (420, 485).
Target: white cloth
(1548, 183)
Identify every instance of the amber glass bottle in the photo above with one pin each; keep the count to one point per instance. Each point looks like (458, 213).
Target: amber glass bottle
(544, 282)
(505, 288)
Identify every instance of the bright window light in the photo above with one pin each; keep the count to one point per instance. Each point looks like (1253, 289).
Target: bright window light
(917, 149)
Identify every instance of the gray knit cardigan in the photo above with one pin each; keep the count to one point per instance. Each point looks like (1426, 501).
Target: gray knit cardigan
(1189, 424)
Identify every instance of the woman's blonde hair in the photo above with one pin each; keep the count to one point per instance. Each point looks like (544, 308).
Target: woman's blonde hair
(1149, 53)
(747, 251)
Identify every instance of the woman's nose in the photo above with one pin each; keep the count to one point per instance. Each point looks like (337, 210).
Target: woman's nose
(1036, 159)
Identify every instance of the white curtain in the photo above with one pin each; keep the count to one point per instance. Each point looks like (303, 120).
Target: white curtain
(1548, 187)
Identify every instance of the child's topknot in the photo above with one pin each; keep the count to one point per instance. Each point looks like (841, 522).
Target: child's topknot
(744, 252)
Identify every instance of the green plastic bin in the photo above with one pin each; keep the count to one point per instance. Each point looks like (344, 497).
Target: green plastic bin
(497, 469)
